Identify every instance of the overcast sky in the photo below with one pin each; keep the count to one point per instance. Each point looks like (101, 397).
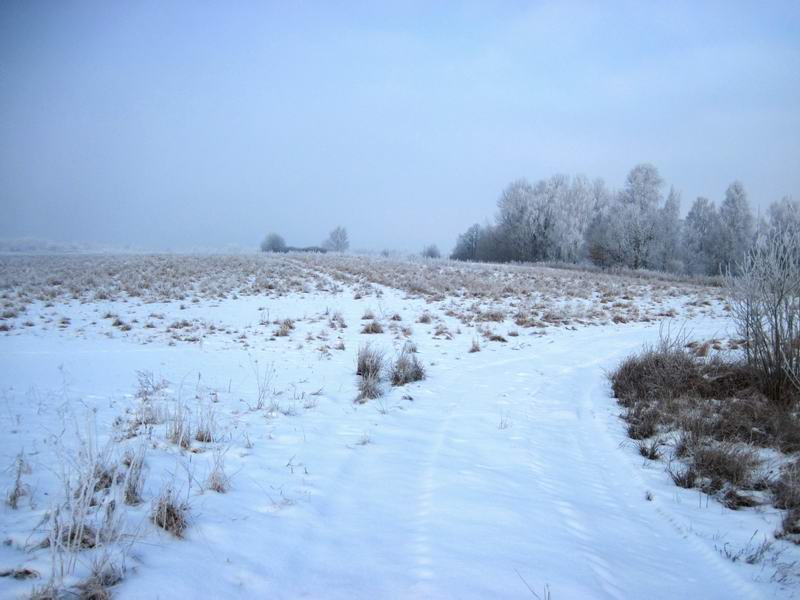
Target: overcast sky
(172, 125)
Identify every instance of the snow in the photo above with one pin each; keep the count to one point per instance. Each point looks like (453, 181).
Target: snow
(505, 471)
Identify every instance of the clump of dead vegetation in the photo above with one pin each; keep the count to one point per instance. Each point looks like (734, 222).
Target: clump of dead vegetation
(170, 512)
(370, 364)
(406, 368)
(717, 417)
(372, 327)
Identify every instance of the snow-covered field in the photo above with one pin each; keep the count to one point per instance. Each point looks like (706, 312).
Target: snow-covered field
(505, 473)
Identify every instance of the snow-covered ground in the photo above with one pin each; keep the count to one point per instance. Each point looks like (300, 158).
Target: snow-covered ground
(504, 474)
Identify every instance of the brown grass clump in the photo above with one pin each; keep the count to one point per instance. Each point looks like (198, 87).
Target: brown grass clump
(725, 463)
(719, 416)
(496, 316)
(369, 361)
(406, 369)
(285, 327)
(372, 327)
(170, 513)
(369, 388)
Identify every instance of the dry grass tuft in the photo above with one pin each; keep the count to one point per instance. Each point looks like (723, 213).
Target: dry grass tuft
(372, 327)
(285, 327)
(19, 489)
(170, 513)
(218, 479)
(406, 369)
(369, 388)
(369, 361)
(134, 476)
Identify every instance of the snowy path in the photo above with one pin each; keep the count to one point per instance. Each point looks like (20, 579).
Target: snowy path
(448, 504)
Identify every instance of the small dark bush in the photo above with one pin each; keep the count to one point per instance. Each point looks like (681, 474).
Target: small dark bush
(721, 464)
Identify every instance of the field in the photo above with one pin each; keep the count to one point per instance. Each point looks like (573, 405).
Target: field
(194, 426)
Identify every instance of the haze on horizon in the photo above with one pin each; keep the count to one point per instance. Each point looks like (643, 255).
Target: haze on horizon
(187, 125)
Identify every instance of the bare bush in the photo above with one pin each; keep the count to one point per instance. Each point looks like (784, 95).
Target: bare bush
(766, 306)
(724, 463)
(716, 412)
(431, 251)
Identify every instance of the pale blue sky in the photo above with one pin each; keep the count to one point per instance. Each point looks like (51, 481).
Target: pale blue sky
(200, 124)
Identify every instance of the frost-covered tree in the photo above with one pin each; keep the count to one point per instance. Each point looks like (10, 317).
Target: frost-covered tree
(545, 221)
(736, 227)
(467, 244)
(700, 231)
(564, 210)
(273, 243)
(514, 219)
(784, 215)
(431, 251)
(667, 256)
(337, 240)
(623, 229)
(638, 207)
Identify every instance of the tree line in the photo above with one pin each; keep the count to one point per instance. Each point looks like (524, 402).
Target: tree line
(573, 219)
(337, 241)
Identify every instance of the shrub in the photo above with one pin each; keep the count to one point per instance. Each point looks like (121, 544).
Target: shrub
(273, 243)
(656, 374)
(724, 463)
(766, 306)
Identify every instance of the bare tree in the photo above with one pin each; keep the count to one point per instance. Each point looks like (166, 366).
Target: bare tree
(337, 240)
(467, 244)
(273, 243)
(431, 251)
(766, 307)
